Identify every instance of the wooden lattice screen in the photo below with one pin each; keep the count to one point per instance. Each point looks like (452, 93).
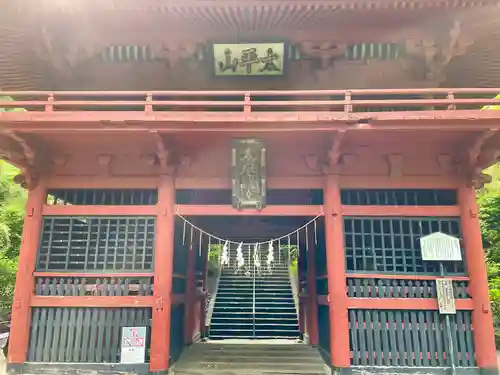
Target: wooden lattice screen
(96, 244)
(409, 338)
(391, 245)
(90, 335)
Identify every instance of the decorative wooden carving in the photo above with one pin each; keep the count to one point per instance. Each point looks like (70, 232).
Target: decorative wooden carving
(478, 157)
(325, 52)
(172, 53)
(332, 160)
(60, 160)
(165, 154)
(312, 161)
(395, 163)
(149, 159)
(447, 163)
(248, 160)
(27, 154)
(429, 57)
(64, 50)
(28, 179)
(104, 162)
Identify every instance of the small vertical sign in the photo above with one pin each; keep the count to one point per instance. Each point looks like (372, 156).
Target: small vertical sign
(445, 297)
(133, 345)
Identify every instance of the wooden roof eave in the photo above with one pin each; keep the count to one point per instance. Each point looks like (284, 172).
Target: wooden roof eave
(196, 5)
(126, 122)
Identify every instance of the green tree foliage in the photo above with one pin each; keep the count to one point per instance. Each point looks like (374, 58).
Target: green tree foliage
(12, 205)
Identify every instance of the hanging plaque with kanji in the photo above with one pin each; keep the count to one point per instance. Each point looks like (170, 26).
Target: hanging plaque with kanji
(248, 159)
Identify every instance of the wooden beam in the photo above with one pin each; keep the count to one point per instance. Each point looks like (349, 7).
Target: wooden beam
(273, 182)
(317, 182)
(198, 121)
(92, 301)
(403, 303)
(405, 182)
(399, 277)
(97, 182)
(415, 211)
(71, 210)
(90, 274)
(227, 210)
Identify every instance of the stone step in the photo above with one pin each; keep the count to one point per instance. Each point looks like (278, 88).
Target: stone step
(251, 334)
(246, 302)
(266, 320)
(258, 297)
(249, 293)
(231, 281)
(249, 359)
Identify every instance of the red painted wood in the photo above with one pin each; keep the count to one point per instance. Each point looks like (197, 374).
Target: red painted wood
(265, 122)
(91, 274)
(317, 182)
(482, 320)
(92, 301)
(397, 303)
(397, 277)
(73, 210)
(403, 303)
(273, 182)
(109, 182)
(312, 306)
(335, 258)
(203, 296)
(190, 293)
(226, 210)
(164, 256)
(303, 308)
(21, 312)
(438, 211)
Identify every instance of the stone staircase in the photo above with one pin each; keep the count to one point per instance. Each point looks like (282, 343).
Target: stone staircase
(274, 315)
(250, 358)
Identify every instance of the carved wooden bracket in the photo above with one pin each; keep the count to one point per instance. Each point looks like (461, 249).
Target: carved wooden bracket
(165, 154)
(447, 163)
(332, 159)
(395, 163)
(30, 159)
(312, 161)
(478, 158)
(28, 179)
(104, 162)
(60, 160)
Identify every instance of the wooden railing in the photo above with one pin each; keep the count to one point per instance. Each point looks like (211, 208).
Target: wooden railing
(339, 101)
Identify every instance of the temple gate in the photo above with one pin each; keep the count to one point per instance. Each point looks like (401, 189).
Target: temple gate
(198, 124)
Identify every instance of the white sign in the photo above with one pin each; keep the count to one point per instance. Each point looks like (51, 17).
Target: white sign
(440, 247)
(133, 346)
(445, 297)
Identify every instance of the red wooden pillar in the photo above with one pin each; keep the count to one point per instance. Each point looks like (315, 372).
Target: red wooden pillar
(164, 257)
(482, 320)
(312, 300)
(301, 294)
(21, 312)
(203, 298)
(335, 258)
(190, 294)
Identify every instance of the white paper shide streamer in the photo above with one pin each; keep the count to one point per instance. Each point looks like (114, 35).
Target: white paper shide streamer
(289, 243)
